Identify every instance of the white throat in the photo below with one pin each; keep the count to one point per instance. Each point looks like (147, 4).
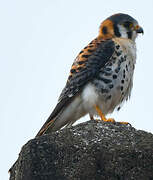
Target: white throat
(124, 33)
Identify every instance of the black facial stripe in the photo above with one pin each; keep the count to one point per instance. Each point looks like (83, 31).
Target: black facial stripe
(116, 31)
(129, 34)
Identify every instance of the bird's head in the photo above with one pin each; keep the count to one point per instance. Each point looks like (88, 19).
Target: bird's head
(120, 25)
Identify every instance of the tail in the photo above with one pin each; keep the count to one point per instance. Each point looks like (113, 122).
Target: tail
(63, 114)
(50, 123)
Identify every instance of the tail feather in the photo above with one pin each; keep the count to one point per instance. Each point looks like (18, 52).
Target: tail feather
(53, 117)
(44, 128)
(65, 113)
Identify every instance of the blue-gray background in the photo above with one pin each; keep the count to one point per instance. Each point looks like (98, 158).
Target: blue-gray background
(38, 43)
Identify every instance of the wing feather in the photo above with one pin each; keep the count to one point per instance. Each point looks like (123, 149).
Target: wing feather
(90, 68)
(85, 68)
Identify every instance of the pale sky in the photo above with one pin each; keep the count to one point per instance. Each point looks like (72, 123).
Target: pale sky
(39, 41)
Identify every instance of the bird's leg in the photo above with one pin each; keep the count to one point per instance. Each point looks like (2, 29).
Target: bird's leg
(91, 117)
(103, 118)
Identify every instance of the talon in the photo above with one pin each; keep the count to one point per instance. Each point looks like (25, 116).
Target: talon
(122, 122)
(102, 116)
(110, 120)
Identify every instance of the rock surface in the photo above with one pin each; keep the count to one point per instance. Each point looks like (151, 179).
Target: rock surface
(93, 150)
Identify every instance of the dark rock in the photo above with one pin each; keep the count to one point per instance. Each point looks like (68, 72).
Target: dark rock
(93, 150)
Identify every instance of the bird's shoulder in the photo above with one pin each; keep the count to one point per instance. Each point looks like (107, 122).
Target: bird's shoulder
(87, 65)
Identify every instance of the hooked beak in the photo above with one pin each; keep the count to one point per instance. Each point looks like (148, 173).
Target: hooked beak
(139, 29)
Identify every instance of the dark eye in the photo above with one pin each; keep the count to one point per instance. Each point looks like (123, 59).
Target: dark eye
(127, 24)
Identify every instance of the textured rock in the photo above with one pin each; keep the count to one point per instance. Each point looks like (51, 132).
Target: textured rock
(91, 150)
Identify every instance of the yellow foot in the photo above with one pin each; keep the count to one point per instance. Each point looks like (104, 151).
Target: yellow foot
(103, 118)
(113, 121)
(122, 122)
(110, 120)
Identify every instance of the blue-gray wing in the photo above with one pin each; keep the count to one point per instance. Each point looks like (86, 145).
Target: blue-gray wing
(84, 69)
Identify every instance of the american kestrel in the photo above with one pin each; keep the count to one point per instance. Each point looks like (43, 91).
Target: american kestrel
(101, 76)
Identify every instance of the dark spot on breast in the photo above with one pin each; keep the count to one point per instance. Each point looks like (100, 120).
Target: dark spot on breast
(118, 53)
(123, 59)
(122, 81)
(117, 47)
(118, 108)
(85, 55)
(114, 76)
(121, 88)
(117, 69)
(124, 73)
(86, 47)
(119, 62)
(104, 30)
(126, 67)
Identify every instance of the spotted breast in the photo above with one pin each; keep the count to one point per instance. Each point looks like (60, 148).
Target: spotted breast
(114, 81)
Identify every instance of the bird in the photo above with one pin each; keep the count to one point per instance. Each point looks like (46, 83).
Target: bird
(101, 76)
